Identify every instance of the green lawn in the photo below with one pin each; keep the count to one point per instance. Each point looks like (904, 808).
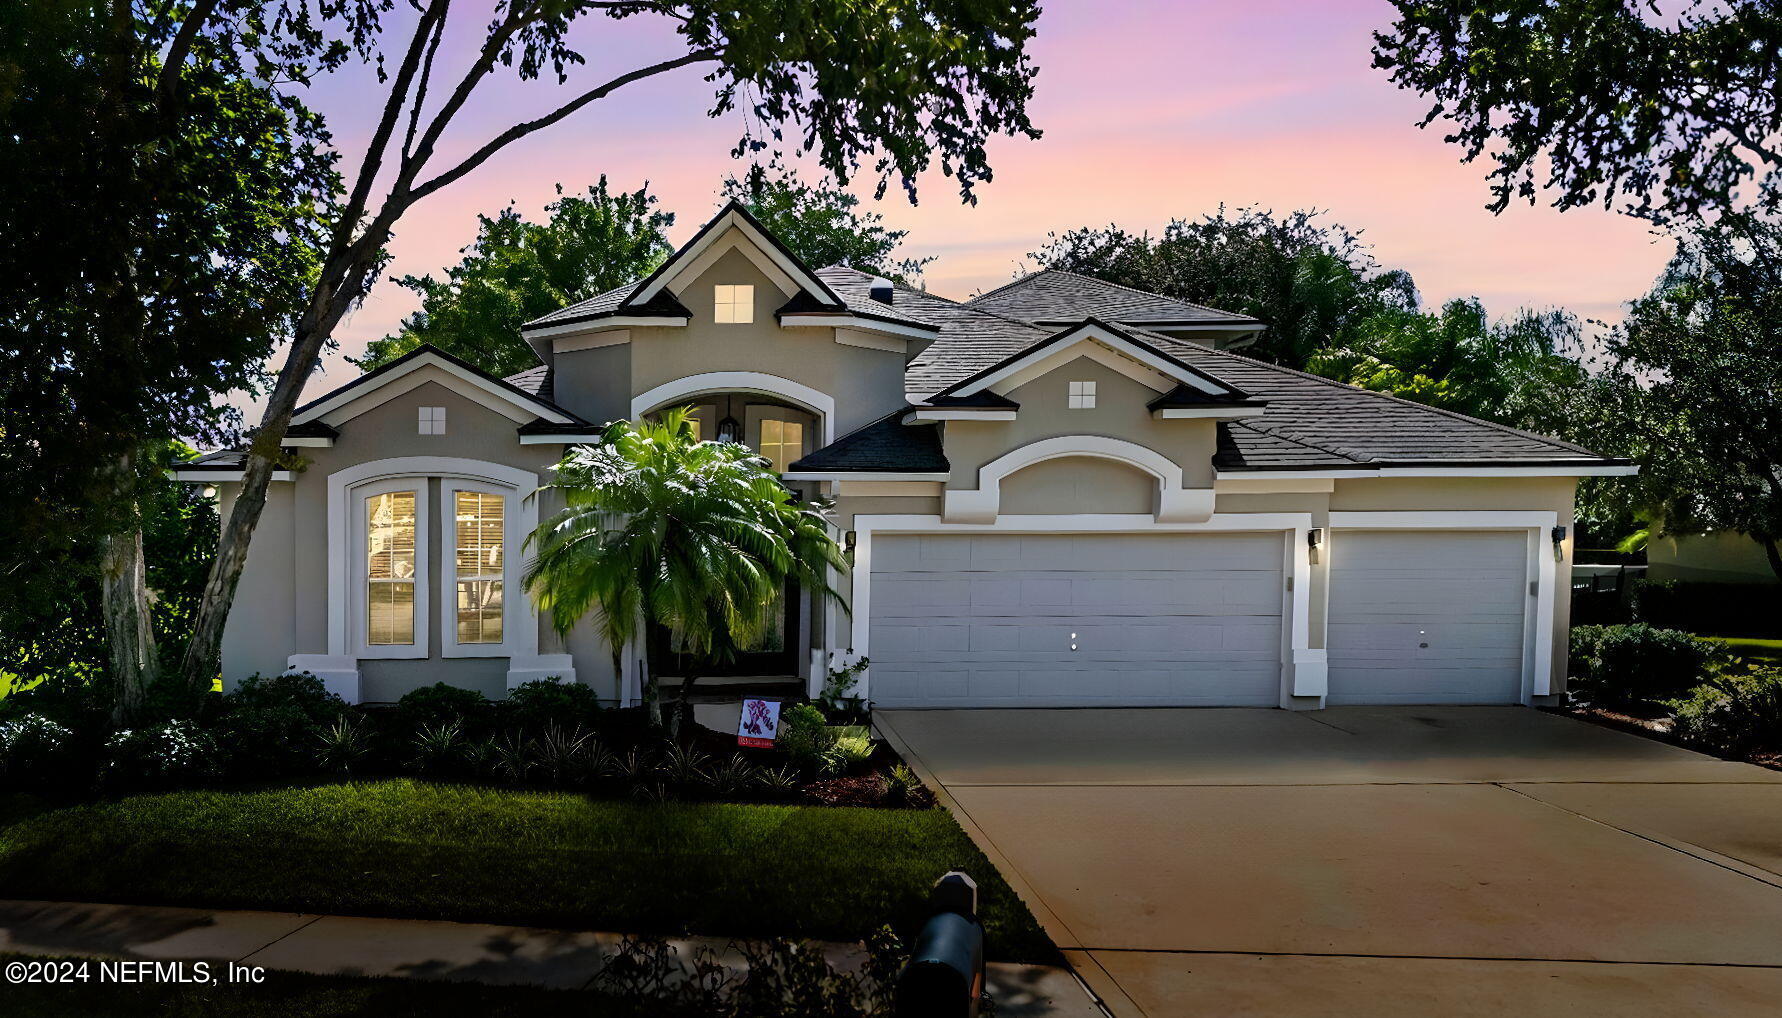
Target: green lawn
(1757, 651)
(407, 848)
(288, 993)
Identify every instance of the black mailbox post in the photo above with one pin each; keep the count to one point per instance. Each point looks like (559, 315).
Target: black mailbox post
(945, 974)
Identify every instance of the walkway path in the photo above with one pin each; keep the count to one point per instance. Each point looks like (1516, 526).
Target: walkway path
(417, 949)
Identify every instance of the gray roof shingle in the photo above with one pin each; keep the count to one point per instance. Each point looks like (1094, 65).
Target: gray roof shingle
(884, 445)
(1054, 295)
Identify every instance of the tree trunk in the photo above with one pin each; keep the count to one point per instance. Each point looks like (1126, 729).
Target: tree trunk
(684, 708)
(123, 583)
(1771, 552)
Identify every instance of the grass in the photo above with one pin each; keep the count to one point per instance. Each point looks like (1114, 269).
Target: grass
(1755, 650)
(290, 993)
(413, 849)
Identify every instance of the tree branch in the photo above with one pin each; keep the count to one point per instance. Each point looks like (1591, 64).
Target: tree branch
(183, 40)
(518, 131)
(414, 112)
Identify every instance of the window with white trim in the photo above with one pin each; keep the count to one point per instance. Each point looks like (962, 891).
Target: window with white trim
(1082, 395)
(479, 527)
(433, 420)
(390, 563)
(733, 304)
(782, 443)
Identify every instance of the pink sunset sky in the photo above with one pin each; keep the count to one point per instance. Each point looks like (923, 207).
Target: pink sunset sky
(1151, 111)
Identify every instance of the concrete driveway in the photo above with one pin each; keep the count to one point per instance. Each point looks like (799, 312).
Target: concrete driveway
(1378, 861)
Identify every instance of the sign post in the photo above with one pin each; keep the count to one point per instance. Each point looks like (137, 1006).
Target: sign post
(759, 724)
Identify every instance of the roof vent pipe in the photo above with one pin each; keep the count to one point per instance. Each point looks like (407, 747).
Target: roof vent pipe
(882, 290)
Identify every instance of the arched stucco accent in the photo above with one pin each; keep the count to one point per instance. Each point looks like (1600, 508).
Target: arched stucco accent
(819, 403)
(1175, 504)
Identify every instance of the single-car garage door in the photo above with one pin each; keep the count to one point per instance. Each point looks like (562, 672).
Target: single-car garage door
(1050, 620)
(1427, 616)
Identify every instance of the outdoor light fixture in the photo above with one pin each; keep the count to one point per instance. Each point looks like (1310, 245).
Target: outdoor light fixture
(1314, 539)
(1558, 544)
(729, 430)
(849, 540)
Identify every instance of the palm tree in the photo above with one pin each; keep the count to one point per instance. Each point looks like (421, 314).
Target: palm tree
(658, 527)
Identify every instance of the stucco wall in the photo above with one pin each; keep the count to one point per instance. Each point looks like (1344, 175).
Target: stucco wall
(281, 607)
(1120, 412)
(1079, 484)
(1724, 557)
(865, 384)
(594, 384)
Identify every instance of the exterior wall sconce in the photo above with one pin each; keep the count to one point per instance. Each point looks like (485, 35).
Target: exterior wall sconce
(1559, 544)
(729, 430)
(849, 540)
(1314, 541)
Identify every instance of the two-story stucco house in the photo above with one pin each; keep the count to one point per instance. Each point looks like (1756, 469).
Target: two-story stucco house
(1062, 492)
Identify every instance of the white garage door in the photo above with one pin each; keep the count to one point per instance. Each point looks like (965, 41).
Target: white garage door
(1427, 616)
(989, 620)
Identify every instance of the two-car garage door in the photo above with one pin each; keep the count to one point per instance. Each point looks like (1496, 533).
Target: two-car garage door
(1049, 620)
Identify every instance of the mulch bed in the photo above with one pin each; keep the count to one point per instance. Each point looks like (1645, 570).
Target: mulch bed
(1656, 728)
(862, 790)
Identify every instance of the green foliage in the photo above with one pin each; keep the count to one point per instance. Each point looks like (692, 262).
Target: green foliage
(34, 750)
(1696, 391)
(526, 858)
(839, 687)
(269, 725)
(1728, 609)
(167, 755)
(1598, 101)
(1733, 715)
(902, 787)
(342, 746)
(516, 270)
(822, 224)
(438, 750)
(1312, 281)
(535, 705)
(440, 704)
(804, 733)
(698, 537)
(1625, 665)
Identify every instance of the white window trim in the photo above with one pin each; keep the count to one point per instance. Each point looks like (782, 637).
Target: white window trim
(1543, 571)
(357, 595)
(431, 420)
(344, 636)
(519, 517)
(684, 388)
(741, 312)
(1303, 668)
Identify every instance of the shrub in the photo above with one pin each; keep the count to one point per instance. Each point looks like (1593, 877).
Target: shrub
(440, 704)
(1637, 662)
(803, 733)
(849, 747)
(541, 703)
(1734, 715)
(901, 786)
(166, 755)
(35, 751)
(559, 755)
(269, 725)
(341, 746)
(438, 750)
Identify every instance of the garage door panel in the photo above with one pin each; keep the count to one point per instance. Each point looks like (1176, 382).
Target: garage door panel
(1157, 619)
(1427, 617)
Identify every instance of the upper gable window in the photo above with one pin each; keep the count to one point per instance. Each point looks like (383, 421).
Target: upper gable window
(432, 420)
(733, 304)
(1082, 395)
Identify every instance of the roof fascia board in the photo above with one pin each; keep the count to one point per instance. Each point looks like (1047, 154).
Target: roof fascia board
(471, 385)
(1582, 469)
(591, 340)
(848, 321)
(734, 240)
(861, 475)
(958, 414)
(602, 323)
(1137, 370)
(308, 442)
(589, 438)
(1208, 413)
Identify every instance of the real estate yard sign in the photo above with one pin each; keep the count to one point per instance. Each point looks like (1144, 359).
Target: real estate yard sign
(759, 724)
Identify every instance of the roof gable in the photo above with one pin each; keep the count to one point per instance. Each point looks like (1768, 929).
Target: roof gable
(734, 227)
(424, 364)
(1106, 343)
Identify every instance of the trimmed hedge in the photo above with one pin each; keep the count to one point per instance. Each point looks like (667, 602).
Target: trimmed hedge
(1735, 715)
(1634, 663)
